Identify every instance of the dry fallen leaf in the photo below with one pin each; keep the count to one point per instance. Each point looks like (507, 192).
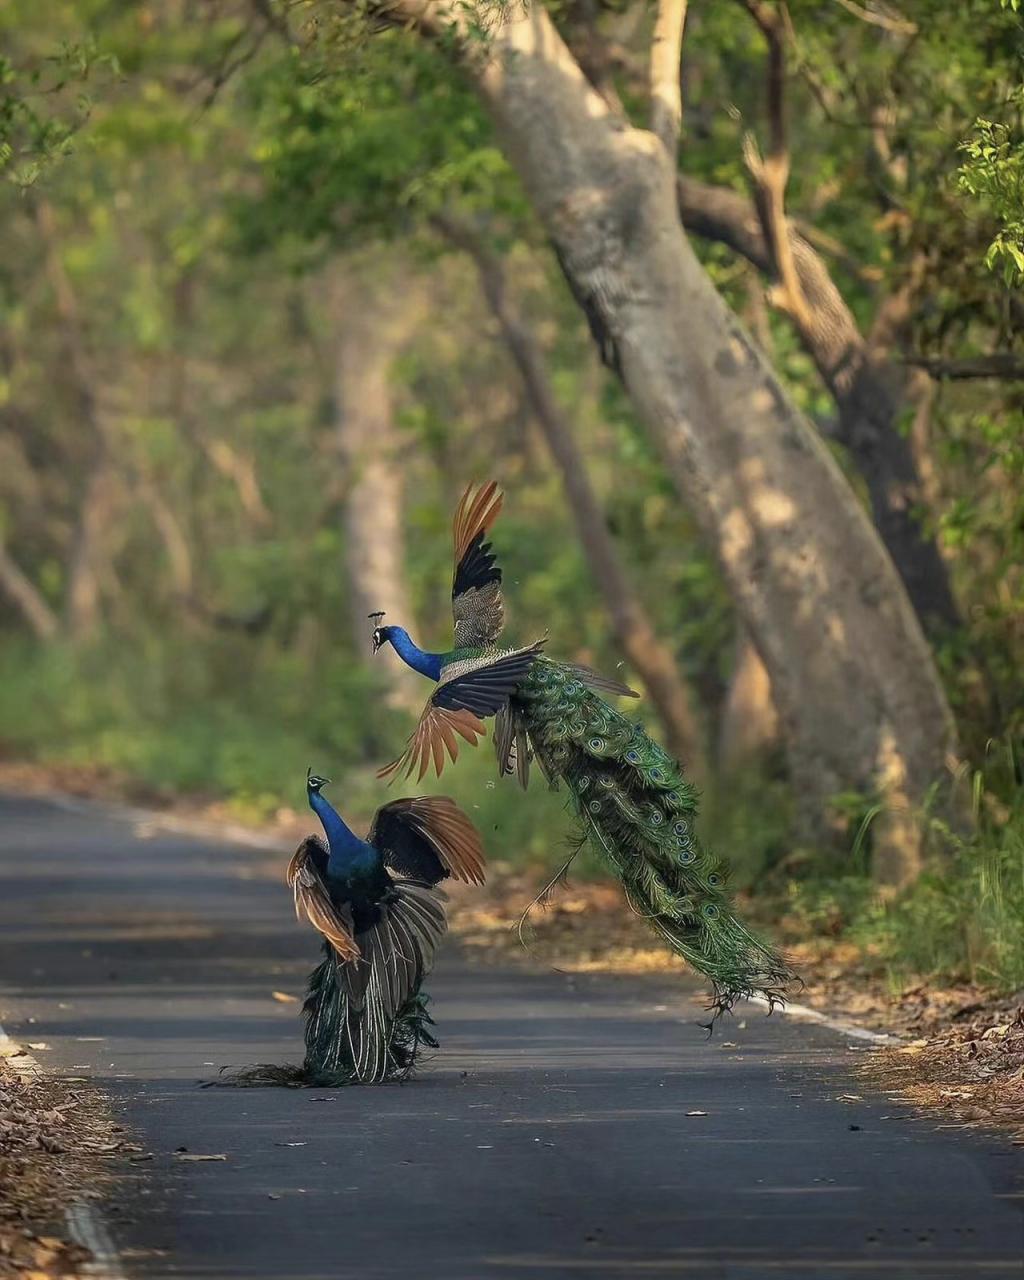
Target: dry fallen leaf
(191, 1155)
(284, 997)
(696, 1113)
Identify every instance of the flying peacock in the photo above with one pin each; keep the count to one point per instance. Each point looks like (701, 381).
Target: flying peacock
(382, 918)
(630, 797)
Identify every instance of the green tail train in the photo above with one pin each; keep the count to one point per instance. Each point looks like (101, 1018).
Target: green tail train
(636, 808)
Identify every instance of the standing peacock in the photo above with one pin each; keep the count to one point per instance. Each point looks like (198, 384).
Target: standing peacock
(381, 917)
(630, 796)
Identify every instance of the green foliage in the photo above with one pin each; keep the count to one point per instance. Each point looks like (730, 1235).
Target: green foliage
(961, 919)
(748, 818)
(43, 104)
(993, 171)
(189, 721)
(363, 138)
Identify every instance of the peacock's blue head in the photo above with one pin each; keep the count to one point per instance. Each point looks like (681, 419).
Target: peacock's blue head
(314, 782)
(381, 635)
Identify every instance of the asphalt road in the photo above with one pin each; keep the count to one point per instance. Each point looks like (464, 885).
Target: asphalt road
(568, 1128)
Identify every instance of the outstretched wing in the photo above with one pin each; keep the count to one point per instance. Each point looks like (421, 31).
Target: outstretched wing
(428, 838)
(314, 902)
(484, 685)
(476, 583)
(467, 690)
(433, 736)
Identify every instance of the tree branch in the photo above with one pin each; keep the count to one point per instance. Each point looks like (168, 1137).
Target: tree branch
(1000, 364)
(26, 596)
(240, 469)
(879, 19)
(666, 115)
(771, 173)
(179, 556)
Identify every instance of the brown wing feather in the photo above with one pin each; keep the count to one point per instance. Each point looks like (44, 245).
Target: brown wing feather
(451, 834)
(434, 734)
(475, 513)
(314, 902)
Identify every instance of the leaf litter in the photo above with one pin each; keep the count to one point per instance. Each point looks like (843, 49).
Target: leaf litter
(53, 1140)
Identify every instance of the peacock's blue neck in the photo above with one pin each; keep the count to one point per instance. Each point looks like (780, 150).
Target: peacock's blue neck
(343, 843)
(427, 664)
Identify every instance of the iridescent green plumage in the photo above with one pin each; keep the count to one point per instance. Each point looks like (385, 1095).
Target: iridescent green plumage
(329, 1061)
(636, 808)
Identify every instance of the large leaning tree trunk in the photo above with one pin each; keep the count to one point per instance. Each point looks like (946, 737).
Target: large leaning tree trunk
(374, 313)
(869, 390)
(853, 679)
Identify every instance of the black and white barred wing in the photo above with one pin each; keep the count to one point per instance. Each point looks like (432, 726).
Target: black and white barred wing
(477, 605)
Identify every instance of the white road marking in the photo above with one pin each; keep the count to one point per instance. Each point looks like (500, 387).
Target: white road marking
(805, 1013)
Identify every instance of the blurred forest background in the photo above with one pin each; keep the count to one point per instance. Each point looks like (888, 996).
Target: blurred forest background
(278, 279)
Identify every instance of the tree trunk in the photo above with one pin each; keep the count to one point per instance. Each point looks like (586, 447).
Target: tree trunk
(86, 560)
(632, 630)
(27, 598)
(749, 725)
(869, 392)
(375, 313)
(852, 676)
